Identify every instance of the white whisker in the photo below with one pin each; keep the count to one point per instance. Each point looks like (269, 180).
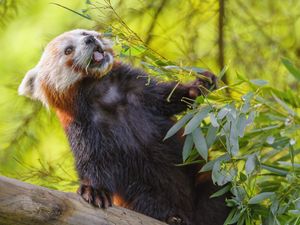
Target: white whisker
(86, 68)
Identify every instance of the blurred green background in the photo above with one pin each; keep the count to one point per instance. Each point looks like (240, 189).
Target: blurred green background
(256, 34)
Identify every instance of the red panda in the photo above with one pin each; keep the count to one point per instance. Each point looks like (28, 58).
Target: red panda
(115, 121)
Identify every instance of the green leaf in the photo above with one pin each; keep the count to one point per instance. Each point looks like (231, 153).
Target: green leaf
(200, 143)
(217, 173)
(284, 105)
(251, 117)
(222, 113)
(270, 140)
(236, 217)
(241, 124)
(222, 73)
(86, 16)
(245, 107)
(233, 140)
(221, 191)
(211, 135)
(187, 147)
(260, 197)
(274, 206)
(243, 177)
(247, 98)
(296, 165)
(222, 176)
(133, 50)
(177, 126)
(239, 193)
(264, 128)
(209, 165)
(274, 169)
(259, 82)
(230, 216)
(232, 202)
(186, 68)
(213, 120)
(194, 69)
(291, 68)
(294, 212)
(251, 163)
(242, 220)
(188, 162)
(196, 120)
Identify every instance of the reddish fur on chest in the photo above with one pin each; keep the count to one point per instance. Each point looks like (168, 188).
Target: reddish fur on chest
(62, 102)
(64, 117)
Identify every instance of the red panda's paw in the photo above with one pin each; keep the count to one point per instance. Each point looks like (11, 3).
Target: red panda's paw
(175, 220)
(98, 197)
(208, 82)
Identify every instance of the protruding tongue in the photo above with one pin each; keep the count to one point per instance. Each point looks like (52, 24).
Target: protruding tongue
(97, 56)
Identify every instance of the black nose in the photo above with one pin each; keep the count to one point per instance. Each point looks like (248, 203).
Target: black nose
(90, 40)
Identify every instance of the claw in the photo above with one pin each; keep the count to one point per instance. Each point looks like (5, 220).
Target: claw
(97, 197)
(207, 83)
(175, 220)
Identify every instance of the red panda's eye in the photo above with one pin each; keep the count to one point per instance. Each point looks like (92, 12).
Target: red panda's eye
(68, 50)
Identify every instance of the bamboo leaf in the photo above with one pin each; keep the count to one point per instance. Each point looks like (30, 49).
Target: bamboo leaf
(259, 82)
(177, 126)
(221, 191)
(274, 169)
(241, 124)
(71, 10)
(211, 135)
(260, 197)
(200, 143)
(209, 165)
(213, 120)
(230, 216)
(284, 105)
(222, 73)
(222, 113)
(196, 120)
(187, 147)
(291, 68)
(251, 163)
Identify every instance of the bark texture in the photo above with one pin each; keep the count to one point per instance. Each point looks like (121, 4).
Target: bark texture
(23, 203)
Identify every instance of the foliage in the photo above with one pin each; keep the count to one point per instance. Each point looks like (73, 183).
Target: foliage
(250, 133)
(252, 139)
(246, 132)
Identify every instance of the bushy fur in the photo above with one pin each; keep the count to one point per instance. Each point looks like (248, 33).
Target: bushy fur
(116, 124)
(117, 139)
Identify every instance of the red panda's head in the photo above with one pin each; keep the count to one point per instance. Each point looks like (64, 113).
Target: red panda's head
(66, 59)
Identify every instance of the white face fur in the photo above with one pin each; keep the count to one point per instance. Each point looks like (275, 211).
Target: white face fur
(67, 59)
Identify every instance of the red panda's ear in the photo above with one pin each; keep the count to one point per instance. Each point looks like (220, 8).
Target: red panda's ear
(27, 87)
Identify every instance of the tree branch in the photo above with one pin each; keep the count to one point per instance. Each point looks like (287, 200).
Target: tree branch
(221, 38)
(153, 23)
(26, 204)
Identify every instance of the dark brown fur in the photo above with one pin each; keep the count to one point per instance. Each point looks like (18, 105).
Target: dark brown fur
(115, 127)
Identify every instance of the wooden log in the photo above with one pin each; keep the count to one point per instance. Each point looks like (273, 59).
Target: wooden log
(22, 203)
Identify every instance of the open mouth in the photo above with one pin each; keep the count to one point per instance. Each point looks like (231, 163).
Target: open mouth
(98, 56)
(99, 60)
